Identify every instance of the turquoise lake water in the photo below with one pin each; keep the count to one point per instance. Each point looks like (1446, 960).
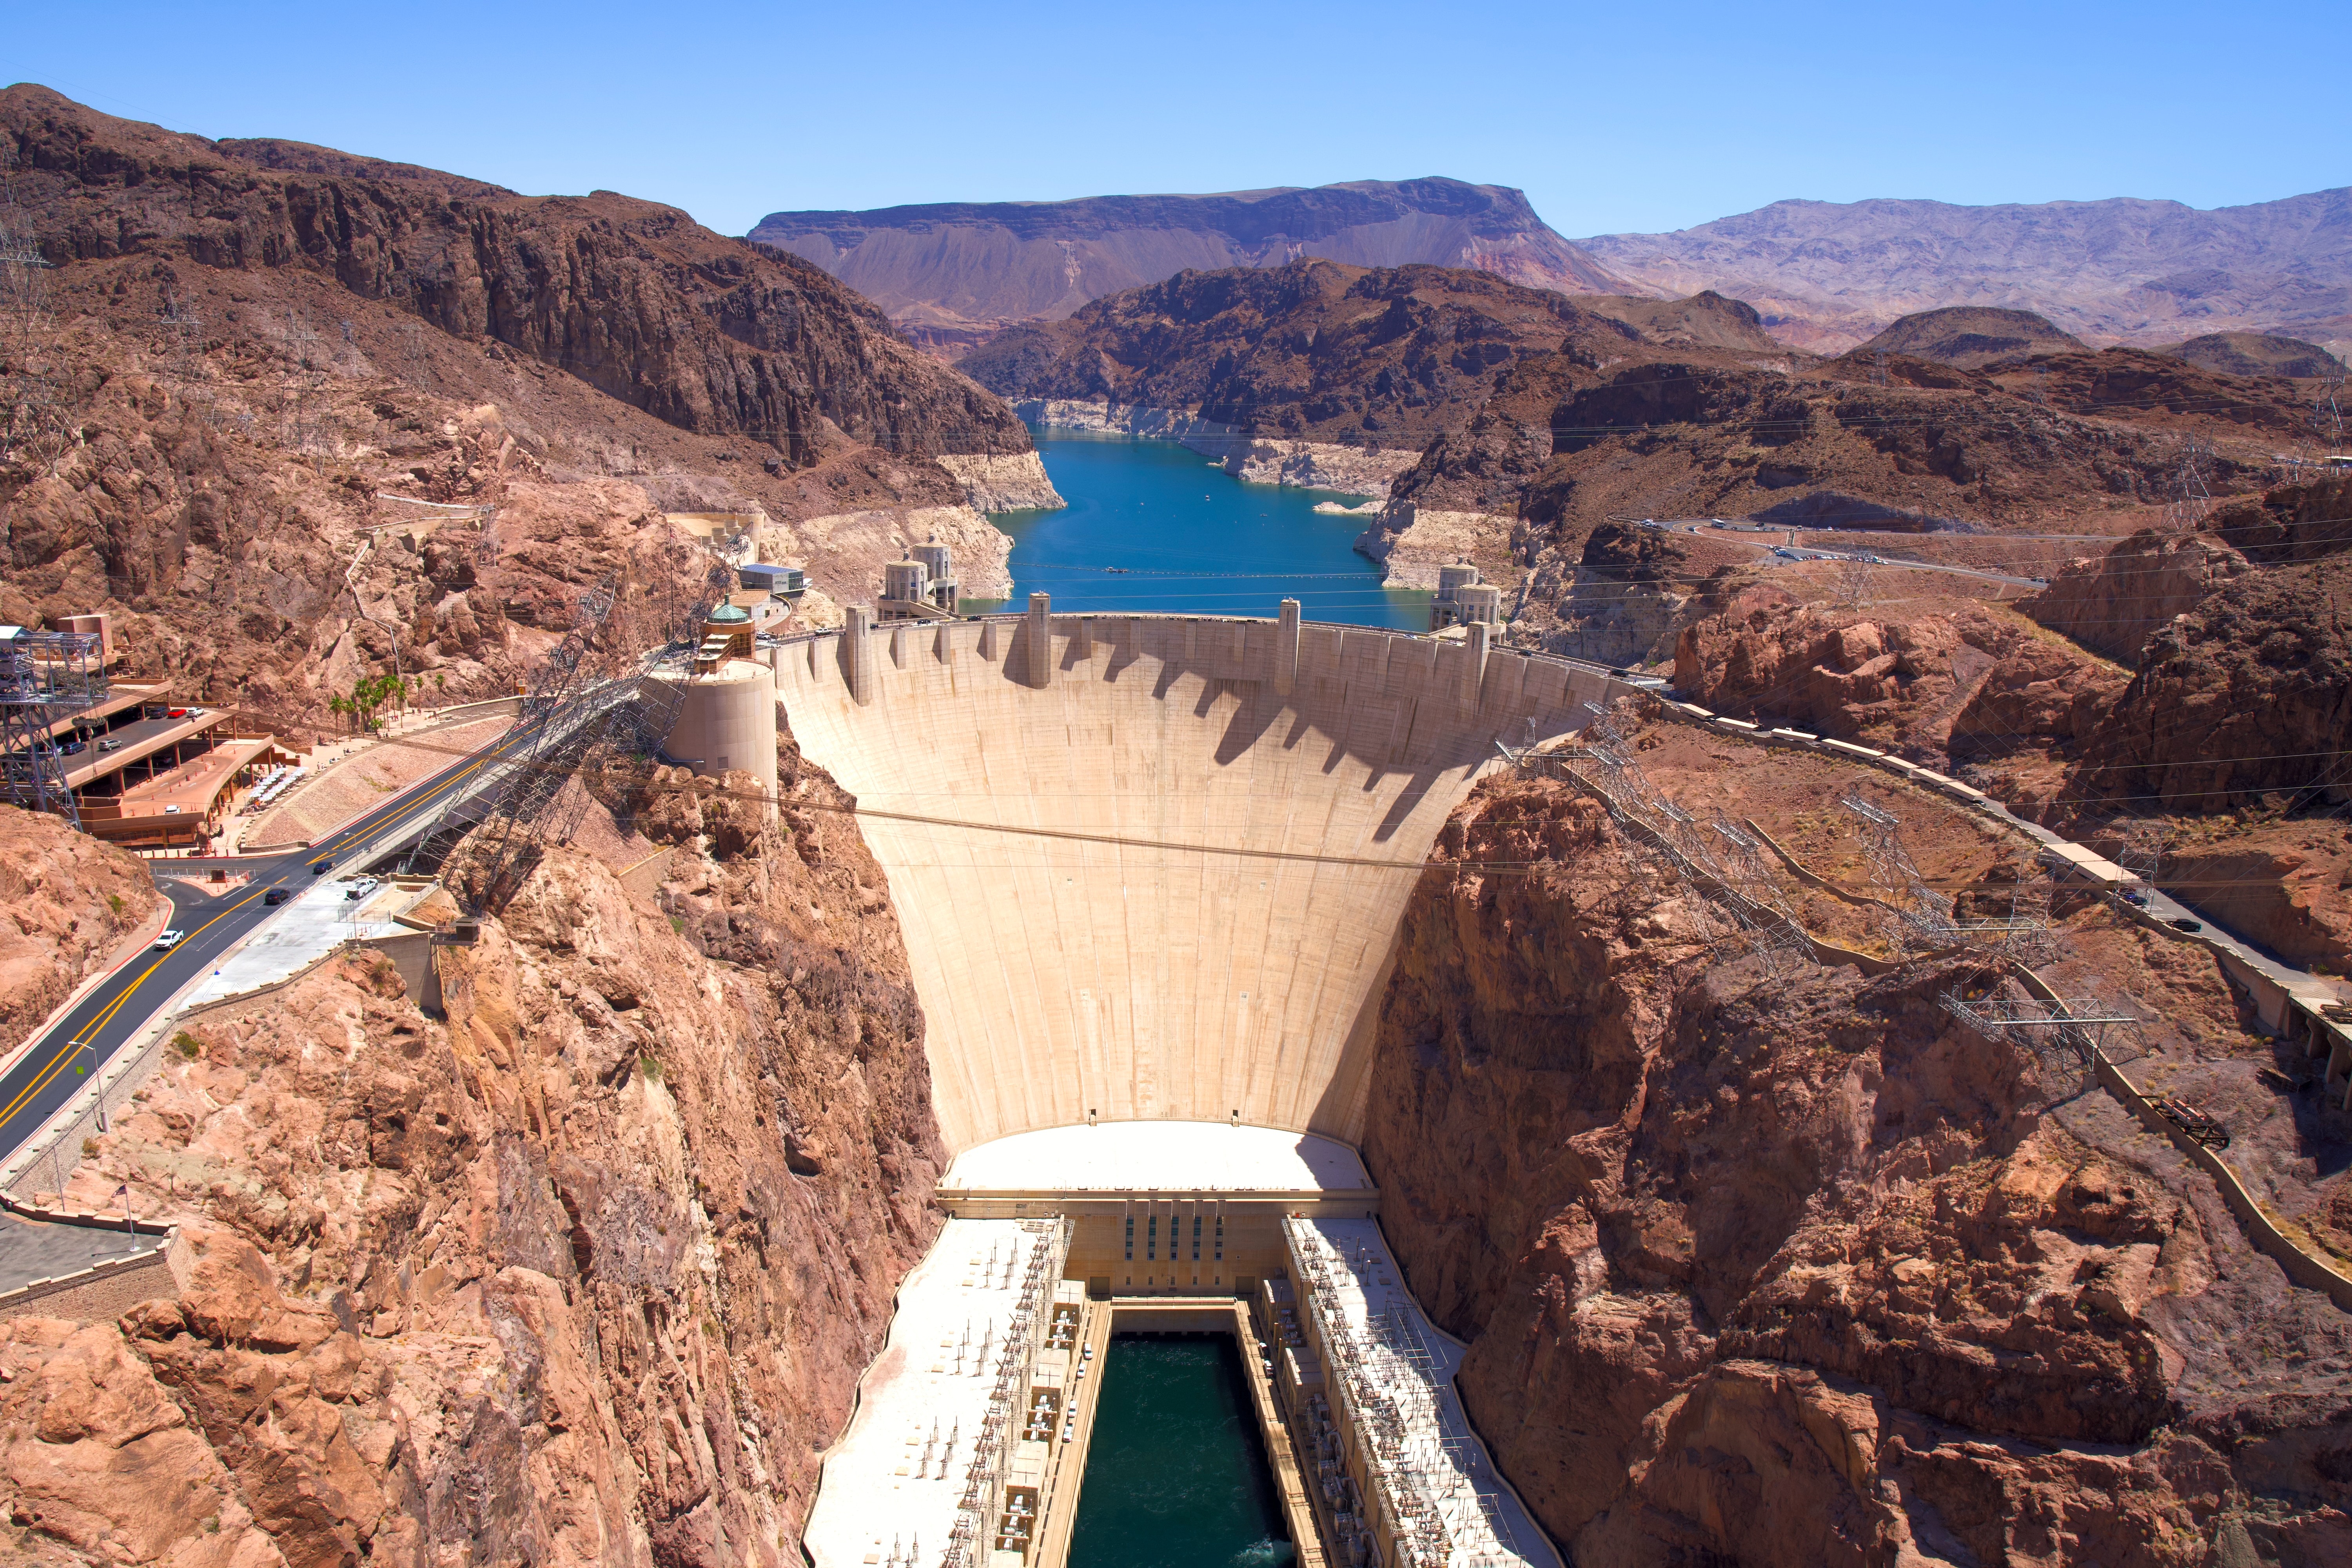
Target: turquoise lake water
(1192, 540)
(1176, 1474)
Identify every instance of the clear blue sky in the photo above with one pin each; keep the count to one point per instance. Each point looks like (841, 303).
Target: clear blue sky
(1625, 117)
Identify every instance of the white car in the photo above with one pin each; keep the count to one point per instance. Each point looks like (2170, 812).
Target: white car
(170, 940)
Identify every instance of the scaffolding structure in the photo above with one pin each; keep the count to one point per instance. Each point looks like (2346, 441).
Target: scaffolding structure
(45, 678)
(984, 1522)
(1432, 1492)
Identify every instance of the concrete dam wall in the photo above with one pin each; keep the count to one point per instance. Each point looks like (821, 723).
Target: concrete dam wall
(1175, 850)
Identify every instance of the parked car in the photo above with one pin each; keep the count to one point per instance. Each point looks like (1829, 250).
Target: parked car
(2191, 926)
(73, 748)
(170, 940)
(175, 713)
(170, 811)
(1783, 549)
(109, 745)
(275, 896)
(2140, 900)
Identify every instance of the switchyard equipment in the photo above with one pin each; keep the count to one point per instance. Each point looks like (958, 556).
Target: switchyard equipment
(45, 677)
(991, 1515)
(1420, 1486)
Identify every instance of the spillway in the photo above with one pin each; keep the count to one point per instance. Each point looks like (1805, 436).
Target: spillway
(1150, 872)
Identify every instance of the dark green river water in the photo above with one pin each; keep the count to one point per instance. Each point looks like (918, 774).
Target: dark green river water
(1191, 541)
(1177, 1475)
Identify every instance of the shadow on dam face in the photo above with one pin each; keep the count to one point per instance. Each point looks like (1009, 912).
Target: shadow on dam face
(1162, 860)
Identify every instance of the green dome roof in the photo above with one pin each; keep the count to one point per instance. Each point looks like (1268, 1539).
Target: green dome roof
(730, 613)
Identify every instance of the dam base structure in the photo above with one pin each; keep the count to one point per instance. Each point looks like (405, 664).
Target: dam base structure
(1150, 872)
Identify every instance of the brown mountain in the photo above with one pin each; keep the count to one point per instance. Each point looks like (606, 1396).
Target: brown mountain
(952, 272)
(2256, 353)
(1314, 351)
(1827, 275)
(1970, 336)
(233, 348)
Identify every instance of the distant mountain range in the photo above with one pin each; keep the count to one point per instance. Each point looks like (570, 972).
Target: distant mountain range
(954, 273)
(1828, 275)
(1825, 275)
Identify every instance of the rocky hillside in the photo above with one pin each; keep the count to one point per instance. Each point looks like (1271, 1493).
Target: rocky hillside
(952, 273)
(237, 351)
(1827, 275)
(2256, 353)
(1970, 336)
(66, 901)
(1784, 1268)
(1315, 350)
(583, 1272)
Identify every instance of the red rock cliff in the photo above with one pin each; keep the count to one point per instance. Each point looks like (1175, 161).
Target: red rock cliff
(582, 1273)
(1785, 1269)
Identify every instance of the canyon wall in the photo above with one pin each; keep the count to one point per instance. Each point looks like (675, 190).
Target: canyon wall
(1783, 1267)
(66, 901)
(582, 1272)
(249, 364)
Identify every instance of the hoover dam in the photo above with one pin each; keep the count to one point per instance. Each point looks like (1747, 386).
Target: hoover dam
(1150, 867)
(1149, 871)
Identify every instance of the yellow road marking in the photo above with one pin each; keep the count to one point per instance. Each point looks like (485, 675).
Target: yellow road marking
(73, 1046)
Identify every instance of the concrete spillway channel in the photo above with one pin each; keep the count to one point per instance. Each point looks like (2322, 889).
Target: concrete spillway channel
(1150, 872)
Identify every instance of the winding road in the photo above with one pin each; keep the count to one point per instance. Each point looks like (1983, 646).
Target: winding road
(58, 1066)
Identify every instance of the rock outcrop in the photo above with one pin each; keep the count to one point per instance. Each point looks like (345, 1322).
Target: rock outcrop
(2113, 603)
(228, 399)
(1958, 684)
(582, 1272)
(1012, 481)
(67, 900)
(2246, 700)
(1785, 1268)
(1970, 336)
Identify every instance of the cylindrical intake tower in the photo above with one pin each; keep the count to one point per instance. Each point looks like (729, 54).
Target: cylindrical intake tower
(726, 719)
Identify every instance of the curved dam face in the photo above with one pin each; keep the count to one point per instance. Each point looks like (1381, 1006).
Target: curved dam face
(1151, 867)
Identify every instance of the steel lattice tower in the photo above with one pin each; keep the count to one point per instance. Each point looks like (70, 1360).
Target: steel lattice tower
(44, 676)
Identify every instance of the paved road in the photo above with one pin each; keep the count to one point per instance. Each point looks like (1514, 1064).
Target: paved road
(1799, 553)
(58, 1066)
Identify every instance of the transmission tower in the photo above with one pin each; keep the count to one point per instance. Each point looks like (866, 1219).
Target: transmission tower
(2142, 854)
(1744, 891)
(565, 713)
(45, 677)
(2191, 500)
(2328, 412)
(2068, 1035)
(1922, 917)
